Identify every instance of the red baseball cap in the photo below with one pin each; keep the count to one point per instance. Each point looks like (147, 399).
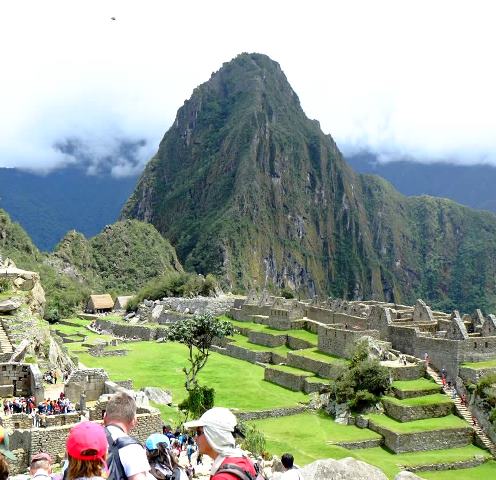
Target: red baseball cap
(87, 436)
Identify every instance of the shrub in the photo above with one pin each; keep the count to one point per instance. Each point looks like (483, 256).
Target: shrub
(363, 383)
(254, 440)
(52, 315)
(199, 400)
(5, 285)
(286, 292)
(175, 284)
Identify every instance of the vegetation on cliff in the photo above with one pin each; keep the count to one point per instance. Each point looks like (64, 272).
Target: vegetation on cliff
(119, 260)
(248, 188)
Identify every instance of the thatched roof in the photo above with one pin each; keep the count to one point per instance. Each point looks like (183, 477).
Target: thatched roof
(122, 301)
(101, 301)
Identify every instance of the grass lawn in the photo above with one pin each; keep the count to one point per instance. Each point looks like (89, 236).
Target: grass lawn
(390, 462)
(477, 365)
(434, 399)
(308, 435)
(257, 327)
(293, 370)
(316, 354)
(482, 472)
(441, 423)
(243, 342)
(238, 384)
(421, 384)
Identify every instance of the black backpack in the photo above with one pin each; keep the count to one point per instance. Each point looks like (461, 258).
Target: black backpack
(114, 464)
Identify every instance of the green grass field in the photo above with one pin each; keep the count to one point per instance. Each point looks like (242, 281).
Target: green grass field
(243, 342)
(421, 384)
(428, 424)
(477, 365)
(316, 354)
(308, 436)
(238, 384)
(433, 399)
(257, 327)
(390, 462)
(485, 471)
(293, 370)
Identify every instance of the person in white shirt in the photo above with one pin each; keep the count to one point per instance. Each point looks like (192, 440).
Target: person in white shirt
(120, 418)
(292, 472)
(41, 466)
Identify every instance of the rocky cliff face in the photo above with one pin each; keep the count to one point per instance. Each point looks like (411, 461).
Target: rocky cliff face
(246, 186)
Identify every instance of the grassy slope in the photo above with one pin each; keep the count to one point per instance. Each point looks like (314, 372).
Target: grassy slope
(434, 399)
(159, 364)
(477, 365)
(450, 421)
(421, 384)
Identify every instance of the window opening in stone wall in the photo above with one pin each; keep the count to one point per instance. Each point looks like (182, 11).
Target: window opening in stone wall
(487, 345)
(475, 344)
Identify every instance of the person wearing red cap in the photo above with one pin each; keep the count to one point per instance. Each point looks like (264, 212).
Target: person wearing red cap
(86, 451)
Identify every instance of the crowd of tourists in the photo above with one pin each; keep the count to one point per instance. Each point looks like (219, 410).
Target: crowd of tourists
(38, 412)
(96, 452)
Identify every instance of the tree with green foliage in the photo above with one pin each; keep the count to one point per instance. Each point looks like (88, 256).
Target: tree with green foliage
(198, 334)
(363, 383)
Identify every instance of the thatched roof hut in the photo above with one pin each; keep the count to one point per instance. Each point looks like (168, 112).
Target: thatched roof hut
(121, 302)
(100, 303)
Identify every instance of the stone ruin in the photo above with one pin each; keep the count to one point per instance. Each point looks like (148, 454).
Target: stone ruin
(448, 339)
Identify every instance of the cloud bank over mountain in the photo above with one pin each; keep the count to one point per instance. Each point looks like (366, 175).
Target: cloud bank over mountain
(414, 81)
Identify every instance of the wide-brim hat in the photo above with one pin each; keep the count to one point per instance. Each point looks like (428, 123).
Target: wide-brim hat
(217, 417)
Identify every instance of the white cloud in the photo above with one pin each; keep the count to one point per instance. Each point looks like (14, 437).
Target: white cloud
(402, 79)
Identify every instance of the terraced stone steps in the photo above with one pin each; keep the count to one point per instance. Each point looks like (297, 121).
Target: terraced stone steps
(5, 345)
(465, 413)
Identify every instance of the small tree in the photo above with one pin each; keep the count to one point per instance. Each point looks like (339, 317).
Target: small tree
(198, 334)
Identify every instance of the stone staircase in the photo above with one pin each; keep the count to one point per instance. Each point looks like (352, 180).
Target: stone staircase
(5, 345)
(464, 412)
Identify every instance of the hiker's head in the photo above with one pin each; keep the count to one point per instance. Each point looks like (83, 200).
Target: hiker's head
(287, 461)
(41, 461)
(214, 431)
(86, 450)
(121, 409)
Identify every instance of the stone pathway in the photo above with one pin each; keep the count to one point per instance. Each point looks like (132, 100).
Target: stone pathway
(5, 345)
(464, 412)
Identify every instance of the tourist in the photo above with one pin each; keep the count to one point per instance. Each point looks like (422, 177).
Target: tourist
(214, 436)
(163, 463)
(41, 466)
(190, 449)
(120, 418)
(86, 451)
(291, 470)
(5, 453)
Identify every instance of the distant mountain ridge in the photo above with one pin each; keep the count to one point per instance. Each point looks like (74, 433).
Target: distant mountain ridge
(48, 206)
(247, 187)
(470, 185)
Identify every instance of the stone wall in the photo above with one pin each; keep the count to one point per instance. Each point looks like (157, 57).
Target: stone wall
(276, 412)
(267, 339)
(407, 372)
(405, 413)
(292, 381)
(298, 343)
(320, 368)
(90, 381)
(22, 379)
(339, 341)
(136, 332)
(425, 440)
(242, 353)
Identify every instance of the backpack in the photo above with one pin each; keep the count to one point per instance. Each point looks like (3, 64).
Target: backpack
(114, 464)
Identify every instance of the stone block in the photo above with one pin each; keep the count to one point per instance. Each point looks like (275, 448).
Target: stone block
(405, 413)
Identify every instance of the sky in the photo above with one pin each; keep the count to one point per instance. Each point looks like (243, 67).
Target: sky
(400, 79)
